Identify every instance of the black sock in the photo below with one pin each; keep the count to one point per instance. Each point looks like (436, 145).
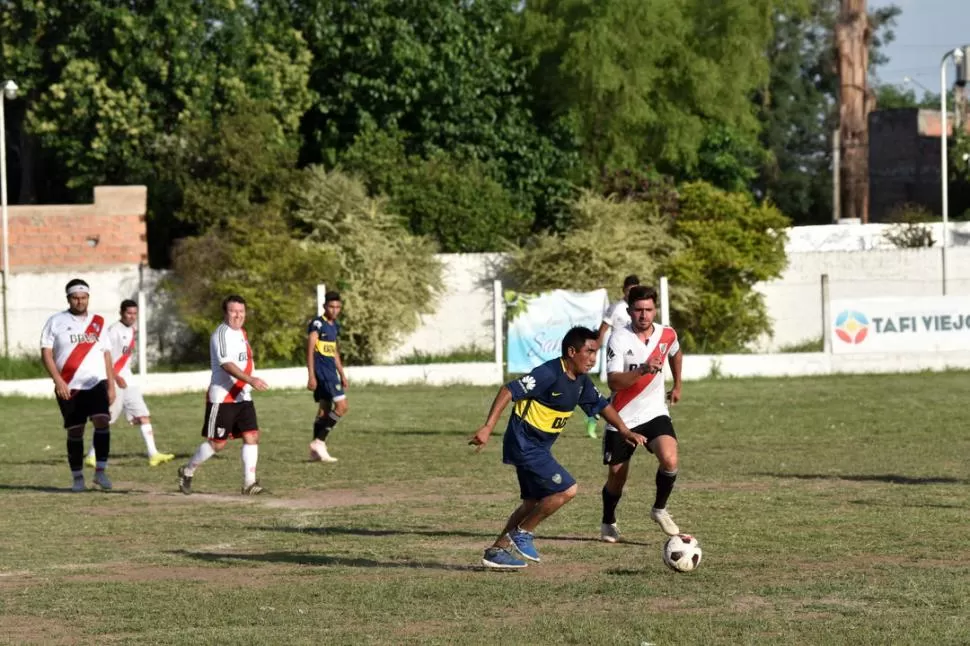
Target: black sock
(75, 453)
(321, 428)
(665, 484)
(610, 501)
(102, 443)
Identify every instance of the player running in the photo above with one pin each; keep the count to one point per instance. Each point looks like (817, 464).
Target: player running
(326, 375)
(634, 363)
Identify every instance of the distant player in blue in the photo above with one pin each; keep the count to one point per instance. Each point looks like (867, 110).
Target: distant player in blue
(327, 380)
(544, 401)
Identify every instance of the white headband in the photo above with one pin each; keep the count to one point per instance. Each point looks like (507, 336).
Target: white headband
(83, 289)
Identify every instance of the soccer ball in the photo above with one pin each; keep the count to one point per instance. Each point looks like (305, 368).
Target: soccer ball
(682, 553)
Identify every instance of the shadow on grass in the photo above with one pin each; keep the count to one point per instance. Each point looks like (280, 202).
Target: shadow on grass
(321, 560)
(62, 459)
(890, 478)
(435, 533)
(48, 489)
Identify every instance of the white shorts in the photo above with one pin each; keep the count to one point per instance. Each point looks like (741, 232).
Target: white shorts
(130, 401)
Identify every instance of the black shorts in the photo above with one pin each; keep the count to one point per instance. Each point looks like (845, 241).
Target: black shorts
(229, 421)
(617, 451)
(85, 404)
(329, 390)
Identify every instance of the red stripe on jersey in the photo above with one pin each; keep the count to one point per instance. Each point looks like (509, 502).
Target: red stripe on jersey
(625, 396)
(76, 358)
(123, 359)
(240, 384)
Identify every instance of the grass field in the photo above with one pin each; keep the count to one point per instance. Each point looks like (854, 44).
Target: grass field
(831, 511)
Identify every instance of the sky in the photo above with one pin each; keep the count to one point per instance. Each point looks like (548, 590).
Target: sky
(925, 31)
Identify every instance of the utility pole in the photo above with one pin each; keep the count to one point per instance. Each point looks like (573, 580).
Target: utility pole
(852, 38)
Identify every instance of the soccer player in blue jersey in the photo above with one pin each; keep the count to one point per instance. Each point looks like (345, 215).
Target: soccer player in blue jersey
(544, 400)
(326, 380)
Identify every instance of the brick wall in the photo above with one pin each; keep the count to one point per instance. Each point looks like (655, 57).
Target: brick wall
(111, 232)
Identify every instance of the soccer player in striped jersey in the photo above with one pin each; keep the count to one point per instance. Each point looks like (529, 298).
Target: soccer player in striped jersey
(326, 375)
(229, 409)
(634, 363)
(76, 357)
(122, 338)
(544, 401)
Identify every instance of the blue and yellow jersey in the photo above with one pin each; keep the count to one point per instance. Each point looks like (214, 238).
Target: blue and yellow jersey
(325, 351)
(544, 401)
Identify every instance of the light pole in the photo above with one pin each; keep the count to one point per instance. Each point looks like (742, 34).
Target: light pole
(957, 55)
(9, 94)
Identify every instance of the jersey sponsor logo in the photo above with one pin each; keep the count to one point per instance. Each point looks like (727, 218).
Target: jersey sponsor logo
(528, 383)
(84, 338)
(542, 417)
(242, 356)
(327, 348)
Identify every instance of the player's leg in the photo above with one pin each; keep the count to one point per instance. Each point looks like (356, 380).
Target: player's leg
(114, 411)
(75, 455)
(333, 406)
(499, 556)
(247, 426)
(545, 480)
(591, 425)
(216, 433)
(99, 411)
(663, 444)
(616, 456)
(136, 412)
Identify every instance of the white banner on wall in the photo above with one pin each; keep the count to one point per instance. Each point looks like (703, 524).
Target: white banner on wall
(537, 324)
(921, 324)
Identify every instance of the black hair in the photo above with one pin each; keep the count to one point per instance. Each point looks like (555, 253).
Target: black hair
(641, 293)
(331, 296)
(576, 338)
(125, 304)
(74, 282)
(630, 281)
(232, 298)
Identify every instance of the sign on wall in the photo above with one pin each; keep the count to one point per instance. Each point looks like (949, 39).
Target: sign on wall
(893, 325)
(537, 324)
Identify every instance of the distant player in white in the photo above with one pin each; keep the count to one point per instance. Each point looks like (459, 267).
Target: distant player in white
(79, 361)
(121, 337)
(634, 364)
(229, 409)
(614, 318)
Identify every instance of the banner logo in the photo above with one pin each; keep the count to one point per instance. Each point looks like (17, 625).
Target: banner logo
(852, 326)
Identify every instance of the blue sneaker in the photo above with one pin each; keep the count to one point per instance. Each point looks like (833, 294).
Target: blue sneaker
(498, 559)
(522, 542)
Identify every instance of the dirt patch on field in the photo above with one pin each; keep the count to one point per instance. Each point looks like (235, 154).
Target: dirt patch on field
(131, 573)
(27, 629)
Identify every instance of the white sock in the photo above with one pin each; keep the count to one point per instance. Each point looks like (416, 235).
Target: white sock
(203, 453)
(149, 437)
(250, 456)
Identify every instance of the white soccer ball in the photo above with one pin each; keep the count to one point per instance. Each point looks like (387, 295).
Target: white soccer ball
(682, 553)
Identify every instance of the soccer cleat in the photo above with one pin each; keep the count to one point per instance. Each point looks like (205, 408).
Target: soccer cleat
(498, 559)
(609, 533)
(78, 485)
(90, 460)
(253, 490)
(319, 453)
(185, 482)
(662, 517)
(591, 427)
(522, 542)
(101, 479)
(160, 458)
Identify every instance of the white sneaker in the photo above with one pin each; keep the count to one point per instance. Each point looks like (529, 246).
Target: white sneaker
(78, 485)
(319, 453)
(101, 479)
(662, 517)
(609, 533)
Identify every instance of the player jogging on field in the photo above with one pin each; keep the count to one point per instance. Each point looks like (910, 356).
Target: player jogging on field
(634, 363)
(78, 360)
(326, 375)
(544, 401)
(229, 409)
(121, 338)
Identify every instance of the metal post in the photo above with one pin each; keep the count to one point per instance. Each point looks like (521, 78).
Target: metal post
(497, 320)
(664, 301)
(6, 232)
(826, 323)
(142, 336)
(836, 176)
(321, 298)
(944, 171)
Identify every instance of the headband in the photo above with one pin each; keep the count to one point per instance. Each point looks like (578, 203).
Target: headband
(74, 289)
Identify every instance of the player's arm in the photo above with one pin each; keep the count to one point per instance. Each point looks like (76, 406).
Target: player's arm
(604, 326)
(60, 386)
(311, 344)
(237, 373)
(340, 365)
(109, 371)
(114, 342)
(676, 365)
(610, 415)
(622, 380)
(502, 399)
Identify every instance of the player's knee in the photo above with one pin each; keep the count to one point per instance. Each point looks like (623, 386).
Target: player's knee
(75, 431)
(100, 422)
(570, 493)
(251, 437)
(341, 407)
(217, 445)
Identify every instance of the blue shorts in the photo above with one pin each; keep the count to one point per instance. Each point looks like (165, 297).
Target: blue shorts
(329, 390)
(541, 477)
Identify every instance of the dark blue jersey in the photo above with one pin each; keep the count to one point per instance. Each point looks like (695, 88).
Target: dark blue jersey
(544, 401)
(325, 351)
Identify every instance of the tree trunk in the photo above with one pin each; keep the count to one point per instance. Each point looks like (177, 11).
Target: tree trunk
(852, 37)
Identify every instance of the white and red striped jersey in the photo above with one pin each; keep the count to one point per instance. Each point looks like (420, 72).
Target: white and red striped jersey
(645, 399)
(76, 342)
(229, 346)
(121, 341)
(616, 315)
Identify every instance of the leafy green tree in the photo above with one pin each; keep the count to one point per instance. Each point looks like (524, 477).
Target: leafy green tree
(386, 276)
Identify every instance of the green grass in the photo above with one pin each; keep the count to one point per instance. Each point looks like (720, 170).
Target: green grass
(808, 345)
(21, 368)
(831, 511)
(463, 354)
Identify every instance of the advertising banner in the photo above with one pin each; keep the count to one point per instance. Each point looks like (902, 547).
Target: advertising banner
(894, 325)
(537, 324)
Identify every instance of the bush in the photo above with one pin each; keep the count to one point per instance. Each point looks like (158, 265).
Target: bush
(908, 230)
(386, 276)
(732, 244)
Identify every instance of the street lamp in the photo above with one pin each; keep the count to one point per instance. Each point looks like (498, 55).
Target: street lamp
(958, 54)
(912, 81)
(9, 94)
